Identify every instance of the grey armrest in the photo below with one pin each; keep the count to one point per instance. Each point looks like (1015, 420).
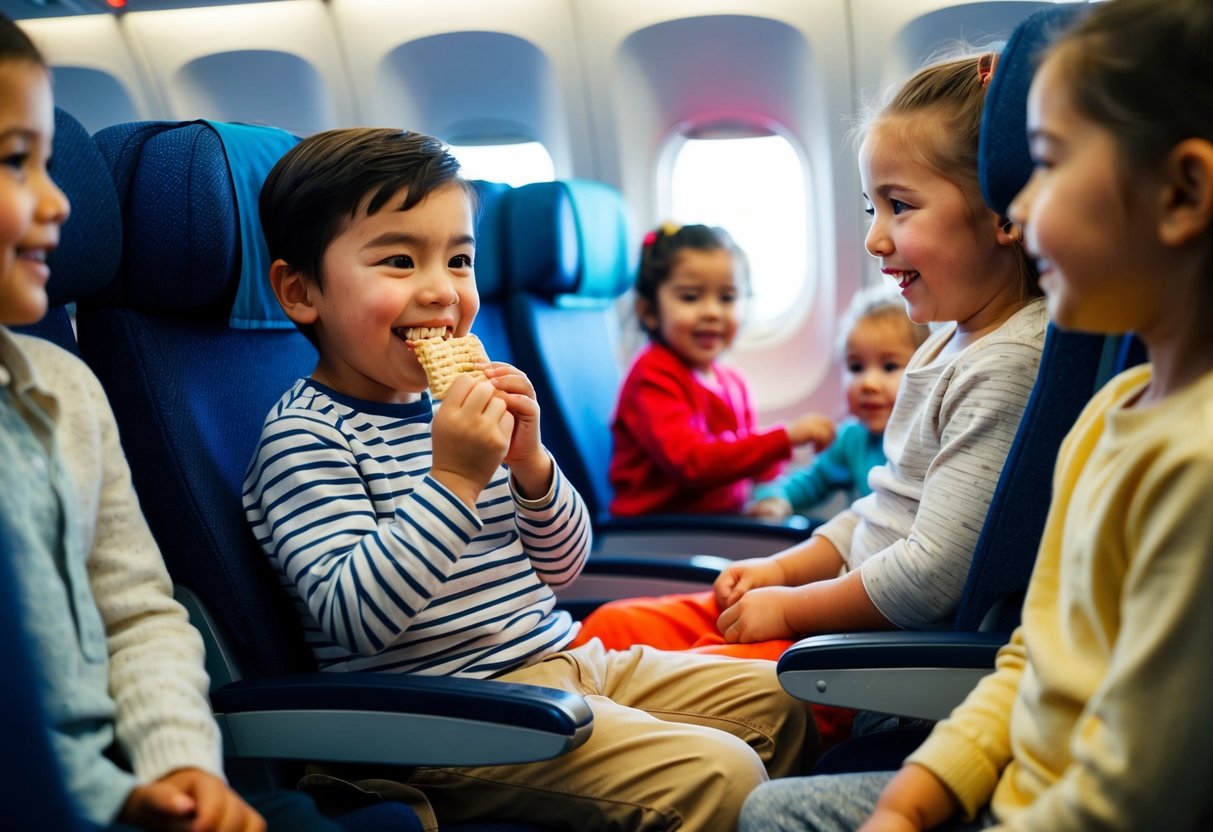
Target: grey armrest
(913, 674)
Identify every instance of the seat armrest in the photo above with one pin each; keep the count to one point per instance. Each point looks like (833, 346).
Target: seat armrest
(728, 536)
(922, 675)
(398, 719)
(611, 577)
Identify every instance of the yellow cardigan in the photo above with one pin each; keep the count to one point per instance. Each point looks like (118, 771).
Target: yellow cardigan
(1096, 716)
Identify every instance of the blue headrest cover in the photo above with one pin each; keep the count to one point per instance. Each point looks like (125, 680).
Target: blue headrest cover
(1003, 162)
(184, 226)
(90, 244)
(576, 240)
(252, 151)
(491, 240)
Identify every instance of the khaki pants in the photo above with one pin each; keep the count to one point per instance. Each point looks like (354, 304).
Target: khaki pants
(679, 741)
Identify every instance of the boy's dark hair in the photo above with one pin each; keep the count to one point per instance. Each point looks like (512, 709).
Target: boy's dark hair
(16, 45)
(320, 184)
(659, 252)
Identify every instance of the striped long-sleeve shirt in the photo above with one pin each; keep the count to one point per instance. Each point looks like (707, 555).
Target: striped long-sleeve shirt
(388, 569)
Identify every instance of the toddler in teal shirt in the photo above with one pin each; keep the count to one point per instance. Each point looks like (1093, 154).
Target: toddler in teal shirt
(877, 341)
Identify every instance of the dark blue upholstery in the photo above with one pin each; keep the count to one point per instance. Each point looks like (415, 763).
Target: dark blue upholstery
(91, 240)
(190, 394)
(553, 321)
(1073, 366)
(1069, 365)
(565, 281)
(195, 429)
(491, 249)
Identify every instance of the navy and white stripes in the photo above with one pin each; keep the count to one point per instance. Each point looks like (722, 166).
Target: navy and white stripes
(388, 569)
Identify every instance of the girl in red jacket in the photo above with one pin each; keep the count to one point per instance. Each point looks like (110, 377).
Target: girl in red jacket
(684, 434)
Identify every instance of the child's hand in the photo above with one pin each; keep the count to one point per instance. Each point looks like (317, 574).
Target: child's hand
(759, 615)
(770, 508)
(189, 800)
(472, 433)
(741, 576)
(529, 464)
(812, 428)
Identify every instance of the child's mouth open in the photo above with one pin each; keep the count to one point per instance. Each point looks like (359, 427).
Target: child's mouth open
(410, 335)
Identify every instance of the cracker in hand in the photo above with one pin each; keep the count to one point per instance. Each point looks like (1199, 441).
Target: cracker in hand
(443, 361)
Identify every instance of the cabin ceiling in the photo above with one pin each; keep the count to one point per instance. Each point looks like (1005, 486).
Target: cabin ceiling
(26, 9)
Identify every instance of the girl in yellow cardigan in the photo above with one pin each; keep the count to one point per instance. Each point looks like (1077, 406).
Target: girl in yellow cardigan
(1095, 717)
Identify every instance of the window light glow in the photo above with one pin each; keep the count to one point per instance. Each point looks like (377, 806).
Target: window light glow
(754, 188)
(515, 164)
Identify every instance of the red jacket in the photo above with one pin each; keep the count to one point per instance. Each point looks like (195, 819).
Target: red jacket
(682, 447)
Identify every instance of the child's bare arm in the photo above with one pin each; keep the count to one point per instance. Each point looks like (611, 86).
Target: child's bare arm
(812, 428)
(770, 508)
(914, 800)
(813, 560)
(471, 436)
(783, 612)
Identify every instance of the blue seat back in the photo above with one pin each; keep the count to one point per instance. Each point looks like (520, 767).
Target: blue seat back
(90, 243)
(190, 392)
(1072, 366)
(491, 247)
(568, 261)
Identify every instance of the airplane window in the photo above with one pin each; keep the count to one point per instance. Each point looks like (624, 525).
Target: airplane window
(515, 164)
(761, 202)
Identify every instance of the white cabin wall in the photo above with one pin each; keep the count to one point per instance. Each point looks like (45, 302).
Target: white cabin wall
(96, 75)
(427, 67)
(269, 63)
(655, 65)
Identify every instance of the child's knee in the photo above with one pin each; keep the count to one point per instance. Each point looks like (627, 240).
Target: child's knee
(712, 778)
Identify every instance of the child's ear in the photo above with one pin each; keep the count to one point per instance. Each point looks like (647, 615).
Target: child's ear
(646, 314)
(293, 292)
(1008, 232)
(1187, 197)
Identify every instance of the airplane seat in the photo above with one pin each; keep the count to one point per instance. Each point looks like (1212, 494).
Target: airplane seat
(921, 676)
(491, 245)
(569, 259)
(90, 243)
(190, 392)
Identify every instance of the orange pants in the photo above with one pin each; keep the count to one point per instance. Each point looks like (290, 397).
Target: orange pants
(688, 622)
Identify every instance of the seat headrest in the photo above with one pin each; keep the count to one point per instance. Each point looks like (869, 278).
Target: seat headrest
(90, 244)
(491, 240)
(182, 190)
(569, 239)
(1003, 162)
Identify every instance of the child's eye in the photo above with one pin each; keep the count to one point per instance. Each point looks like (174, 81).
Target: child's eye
(892, 367)
(399, 261)
(854, 367)
(16, 161)
(898, 206)
(688, 297)
(869, 209)
(728, 297)
(460, 261)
